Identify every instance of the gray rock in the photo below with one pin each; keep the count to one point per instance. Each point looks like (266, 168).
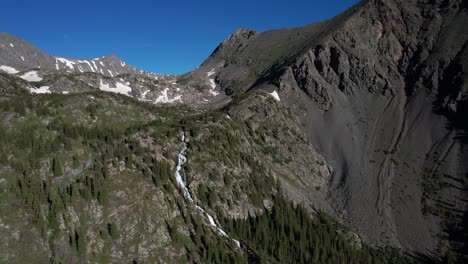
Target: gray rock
(382, 93)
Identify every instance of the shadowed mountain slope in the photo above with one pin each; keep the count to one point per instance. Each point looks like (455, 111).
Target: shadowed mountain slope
(382, 92)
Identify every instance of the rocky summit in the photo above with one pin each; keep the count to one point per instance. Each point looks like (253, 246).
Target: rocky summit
(343, 141)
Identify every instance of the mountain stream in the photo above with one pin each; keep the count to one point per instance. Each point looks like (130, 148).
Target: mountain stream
(182, 181)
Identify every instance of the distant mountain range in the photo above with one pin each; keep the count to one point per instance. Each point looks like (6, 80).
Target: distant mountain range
(45, 73)
(21, 56)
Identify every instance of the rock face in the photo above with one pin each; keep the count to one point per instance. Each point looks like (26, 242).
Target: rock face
(382, 92)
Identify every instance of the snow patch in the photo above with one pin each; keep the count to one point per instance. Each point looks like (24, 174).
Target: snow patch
(90, 66)
(31, 76)
(213, 86)
(275, 95)
(65, 92)
(101, 63)
(22, 58)
(11, 45)
(164, 98)
(68, 63)
(143, 95)
(119, 88)
(122, 64)
(94, 63)
(111, 73)
(210, 72)
(8, 69)
(212, 82)
(40, 90)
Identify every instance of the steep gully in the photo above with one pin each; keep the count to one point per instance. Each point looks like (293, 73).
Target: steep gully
(386, 172)
(182, 181)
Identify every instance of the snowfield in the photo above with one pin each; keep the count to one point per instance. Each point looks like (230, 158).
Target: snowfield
(8, 69)
(164, 98)
(120, 88)
(68, 63)
(212, 82)
(40, 90)
(31, 76)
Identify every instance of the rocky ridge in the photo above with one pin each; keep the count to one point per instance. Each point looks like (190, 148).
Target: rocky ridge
(40, 72)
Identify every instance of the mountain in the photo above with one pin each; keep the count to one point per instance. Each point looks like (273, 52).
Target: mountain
(359, 121)
(21, 56)
(40, 72)
(382, 92)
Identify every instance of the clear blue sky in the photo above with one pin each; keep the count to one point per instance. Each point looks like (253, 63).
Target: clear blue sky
(170, 36)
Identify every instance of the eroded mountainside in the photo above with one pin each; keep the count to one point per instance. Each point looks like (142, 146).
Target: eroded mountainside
(382, 92)
(362, 117)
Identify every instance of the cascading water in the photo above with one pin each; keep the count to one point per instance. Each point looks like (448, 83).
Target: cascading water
(182, 181)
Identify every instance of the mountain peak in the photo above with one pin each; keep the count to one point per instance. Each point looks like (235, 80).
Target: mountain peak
(111, 56)
(242, 34)
(7, 37)
(22, 55)
(6, 34)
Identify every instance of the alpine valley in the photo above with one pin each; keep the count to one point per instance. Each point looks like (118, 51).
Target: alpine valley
(343, 141)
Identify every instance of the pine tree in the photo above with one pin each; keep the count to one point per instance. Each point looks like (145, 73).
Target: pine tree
(57, 167)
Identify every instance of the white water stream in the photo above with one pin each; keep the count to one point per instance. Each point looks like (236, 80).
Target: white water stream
(182, 181)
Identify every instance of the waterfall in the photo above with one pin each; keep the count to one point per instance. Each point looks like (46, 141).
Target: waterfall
(181, 179)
